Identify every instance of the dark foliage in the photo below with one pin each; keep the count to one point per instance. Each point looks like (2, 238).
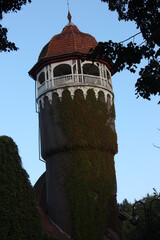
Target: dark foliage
(147, 224)
(19, 218)
(49, 238)
(90, 176)
(146, 15)
(6, 7)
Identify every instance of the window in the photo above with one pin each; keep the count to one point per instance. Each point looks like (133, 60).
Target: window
(90, 69)
(41, 78)
(61, 70)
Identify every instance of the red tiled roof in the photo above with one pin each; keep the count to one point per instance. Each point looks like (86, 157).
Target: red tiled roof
(48, 228)
(71, 43)
(70, 40)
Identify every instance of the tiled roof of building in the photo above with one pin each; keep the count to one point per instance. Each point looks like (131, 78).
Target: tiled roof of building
(71, 43)
(70, 40)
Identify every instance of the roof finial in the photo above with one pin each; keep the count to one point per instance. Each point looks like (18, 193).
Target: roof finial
(69, 15)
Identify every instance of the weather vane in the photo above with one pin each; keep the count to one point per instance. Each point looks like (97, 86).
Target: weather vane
(69, 15)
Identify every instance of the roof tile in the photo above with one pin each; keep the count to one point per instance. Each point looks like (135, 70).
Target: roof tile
(70, 40)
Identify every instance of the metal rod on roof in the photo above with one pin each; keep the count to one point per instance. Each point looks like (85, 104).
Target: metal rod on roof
(68, 4)
(69, 15)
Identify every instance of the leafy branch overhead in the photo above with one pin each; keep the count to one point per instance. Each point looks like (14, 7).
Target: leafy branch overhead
(146, 15)
(6, 7)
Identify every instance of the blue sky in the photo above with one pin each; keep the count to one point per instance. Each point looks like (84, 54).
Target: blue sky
(138, 161)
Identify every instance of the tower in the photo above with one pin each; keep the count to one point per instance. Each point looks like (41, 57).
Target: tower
(77, 133)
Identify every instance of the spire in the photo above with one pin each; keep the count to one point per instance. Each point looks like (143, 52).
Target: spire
(69, 15)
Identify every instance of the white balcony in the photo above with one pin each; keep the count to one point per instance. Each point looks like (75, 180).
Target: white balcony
(73, 80)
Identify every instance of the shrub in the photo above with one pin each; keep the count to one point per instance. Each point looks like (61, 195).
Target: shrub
(19, 218)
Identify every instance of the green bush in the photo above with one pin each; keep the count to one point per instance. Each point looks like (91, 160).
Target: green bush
(19, 217)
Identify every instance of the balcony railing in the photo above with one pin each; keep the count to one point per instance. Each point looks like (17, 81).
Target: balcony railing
(79, 79)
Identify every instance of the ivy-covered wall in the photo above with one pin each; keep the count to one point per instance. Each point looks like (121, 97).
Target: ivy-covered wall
(86, 123)
(82, 132)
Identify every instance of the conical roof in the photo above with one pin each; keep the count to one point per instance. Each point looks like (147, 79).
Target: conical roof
(71, 43)
(70, 40)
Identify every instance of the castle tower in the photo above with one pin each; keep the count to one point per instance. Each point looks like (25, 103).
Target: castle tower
(77, 132)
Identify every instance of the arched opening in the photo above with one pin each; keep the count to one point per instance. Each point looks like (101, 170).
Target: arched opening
(78, 95)
(61, 70)
(90, 69)
(101, 96)
(91, 97)
(55, 97)
(41, 78)
(66, 97)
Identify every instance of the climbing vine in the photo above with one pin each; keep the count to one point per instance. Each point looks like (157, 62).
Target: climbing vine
(90, 176)
(87, 122)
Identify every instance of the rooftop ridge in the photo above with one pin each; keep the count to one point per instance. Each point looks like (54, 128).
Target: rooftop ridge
(74, 40)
